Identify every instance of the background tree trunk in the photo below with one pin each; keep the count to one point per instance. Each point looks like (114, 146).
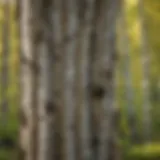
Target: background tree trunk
(146, 74)
(129, 93)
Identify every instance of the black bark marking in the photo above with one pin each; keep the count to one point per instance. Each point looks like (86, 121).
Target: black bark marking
(95, 142)
(98, 92)
(50, 107)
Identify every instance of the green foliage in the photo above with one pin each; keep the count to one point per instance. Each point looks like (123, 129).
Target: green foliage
(144, 152)
(10, 130)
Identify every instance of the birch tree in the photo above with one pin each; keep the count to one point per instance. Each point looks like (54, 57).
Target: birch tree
(45, 85)
(29, 36)
(64, 42)
(37, 128)
(85, 18)
(70, 29)
(145, 57)
(59, 34)
(102, 73)
(124, 43)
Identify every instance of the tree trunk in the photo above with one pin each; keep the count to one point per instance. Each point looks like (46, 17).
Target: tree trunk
(86, 9)
(46, 110)
(29, 36)
(64, 44)
(63, 28)
(102, 74)
(129, 95)
(146, 74)
(58, 76)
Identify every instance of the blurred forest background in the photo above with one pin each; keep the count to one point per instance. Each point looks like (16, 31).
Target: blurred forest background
(137, 80)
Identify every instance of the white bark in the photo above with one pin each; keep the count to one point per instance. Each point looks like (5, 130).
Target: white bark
(29, 70)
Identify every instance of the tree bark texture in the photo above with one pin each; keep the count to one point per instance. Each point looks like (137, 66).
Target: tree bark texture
(68, 60)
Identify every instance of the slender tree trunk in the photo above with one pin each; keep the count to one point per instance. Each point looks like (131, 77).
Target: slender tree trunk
(5, 64)
(58, 88)
(114, 150)
(45, 104)
(103, 63)
(43, 100)
(146, 74)
(29, 36)
(45, 89)
(127, 74)
(86, 9)
(70, 31)
(65, 31)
